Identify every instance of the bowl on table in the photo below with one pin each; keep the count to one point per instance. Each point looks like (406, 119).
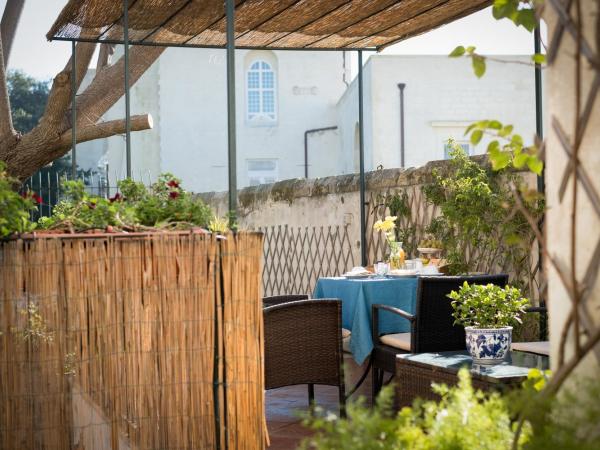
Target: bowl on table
(396, 273)
(357, 273)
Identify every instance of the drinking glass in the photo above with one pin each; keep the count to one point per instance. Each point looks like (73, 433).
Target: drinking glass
(381, 269)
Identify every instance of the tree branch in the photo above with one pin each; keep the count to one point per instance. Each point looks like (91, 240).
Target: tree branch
(8, 25)
(84, 52)
(106, 51)
(6, 125)
(108, 87)
(107, 129)
(38, 148)
(59, 99)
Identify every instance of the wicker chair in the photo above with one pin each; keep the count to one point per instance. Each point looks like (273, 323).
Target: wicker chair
(303, 345)
(279, 299)
(432, 326)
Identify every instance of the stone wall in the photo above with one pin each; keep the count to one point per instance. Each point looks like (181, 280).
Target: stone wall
(328, 201)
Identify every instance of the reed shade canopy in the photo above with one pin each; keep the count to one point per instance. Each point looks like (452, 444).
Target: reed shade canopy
(273, 24)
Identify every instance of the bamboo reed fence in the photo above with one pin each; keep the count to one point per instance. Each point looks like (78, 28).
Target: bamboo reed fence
(153, 341)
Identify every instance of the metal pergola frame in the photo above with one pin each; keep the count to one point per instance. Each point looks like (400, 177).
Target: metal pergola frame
(230, 48)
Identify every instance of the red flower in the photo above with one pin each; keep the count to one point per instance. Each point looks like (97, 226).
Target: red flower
(33, 196)
(115, 198)
(173, 184)
(173, 194)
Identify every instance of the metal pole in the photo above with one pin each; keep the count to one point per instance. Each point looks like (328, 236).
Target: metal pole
(127, 96)
(541, 184)
(401, 86)
(361, 127)
(73, 111)
(232, 162)
(539, 122)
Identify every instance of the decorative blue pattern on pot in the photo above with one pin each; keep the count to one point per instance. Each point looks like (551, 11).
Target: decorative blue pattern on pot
(488, 346)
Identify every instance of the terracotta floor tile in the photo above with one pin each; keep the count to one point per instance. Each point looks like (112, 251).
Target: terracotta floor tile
(284, 406)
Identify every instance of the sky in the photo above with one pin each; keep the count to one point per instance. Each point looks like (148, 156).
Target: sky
(33, 54)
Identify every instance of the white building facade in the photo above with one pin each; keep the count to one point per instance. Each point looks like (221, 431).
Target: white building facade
(284, 99)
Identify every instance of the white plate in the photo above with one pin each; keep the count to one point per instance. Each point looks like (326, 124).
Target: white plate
(357, 276)
(428, 250)
(402, 273)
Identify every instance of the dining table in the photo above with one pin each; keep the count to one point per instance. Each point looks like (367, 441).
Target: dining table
(358, 296)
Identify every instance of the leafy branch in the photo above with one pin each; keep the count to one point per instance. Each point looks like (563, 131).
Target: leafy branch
(507, 148)
(522, 13)
(479, 61)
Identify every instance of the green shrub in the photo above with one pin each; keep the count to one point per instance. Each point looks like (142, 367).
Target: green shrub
(478, 223)
(466, 419)
(79, 210)
(463, 419)
(14, 208)
(164, 205)
(487, 306)
(571, 421)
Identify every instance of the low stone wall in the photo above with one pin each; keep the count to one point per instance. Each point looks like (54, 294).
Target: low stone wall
(324, 202)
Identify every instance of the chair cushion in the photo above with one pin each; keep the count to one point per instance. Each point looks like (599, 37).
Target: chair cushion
(539, 348)
(397, 340)
(346, 340)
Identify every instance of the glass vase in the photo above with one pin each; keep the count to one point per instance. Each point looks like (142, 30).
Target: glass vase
(397, 256)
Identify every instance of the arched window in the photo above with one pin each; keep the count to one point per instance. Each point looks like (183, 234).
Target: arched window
(260, 91)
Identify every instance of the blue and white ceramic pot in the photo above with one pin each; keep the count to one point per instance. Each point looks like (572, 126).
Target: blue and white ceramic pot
(488, 345)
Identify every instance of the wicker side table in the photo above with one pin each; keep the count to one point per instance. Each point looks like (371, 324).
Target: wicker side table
(416, 372)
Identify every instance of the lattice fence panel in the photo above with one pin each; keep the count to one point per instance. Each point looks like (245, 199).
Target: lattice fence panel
(295, 257)
(414, 226)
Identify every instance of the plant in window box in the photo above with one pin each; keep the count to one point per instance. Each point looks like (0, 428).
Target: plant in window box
(397, 254)
(487, 312)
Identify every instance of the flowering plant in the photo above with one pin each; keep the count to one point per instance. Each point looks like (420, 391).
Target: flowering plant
(164, 205)
(388, 226)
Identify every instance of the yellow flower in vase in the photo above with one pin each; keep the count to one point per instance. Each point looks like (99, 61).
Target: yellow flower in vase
(397, 254)
(386, 225)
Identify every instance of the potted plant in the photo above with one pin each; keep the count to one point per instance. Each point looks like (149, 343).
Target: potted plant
(487, 312)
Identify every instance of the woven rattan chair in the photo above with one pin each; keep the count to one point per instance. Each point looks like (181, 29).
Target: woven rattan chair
(279, 299)
(303, 345)
(432, 326)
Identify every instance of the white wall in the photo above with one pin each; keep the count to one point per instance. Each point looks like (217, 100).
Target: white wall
(442, 96)
(145, 145)
(193, 121)
(185, 91)
(347, 116)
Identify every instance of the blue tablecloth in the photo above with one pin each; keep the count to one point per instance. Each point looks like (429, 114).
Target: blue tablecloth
(357, 298)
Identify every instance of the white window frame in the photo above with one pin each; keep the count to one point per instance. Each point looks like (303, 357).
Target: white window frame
(469, 149)
(261, 116)
(263, 176)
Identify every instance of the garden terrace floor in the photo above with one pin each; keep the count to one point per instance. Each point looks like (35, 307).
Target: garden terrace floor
(284, 405)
